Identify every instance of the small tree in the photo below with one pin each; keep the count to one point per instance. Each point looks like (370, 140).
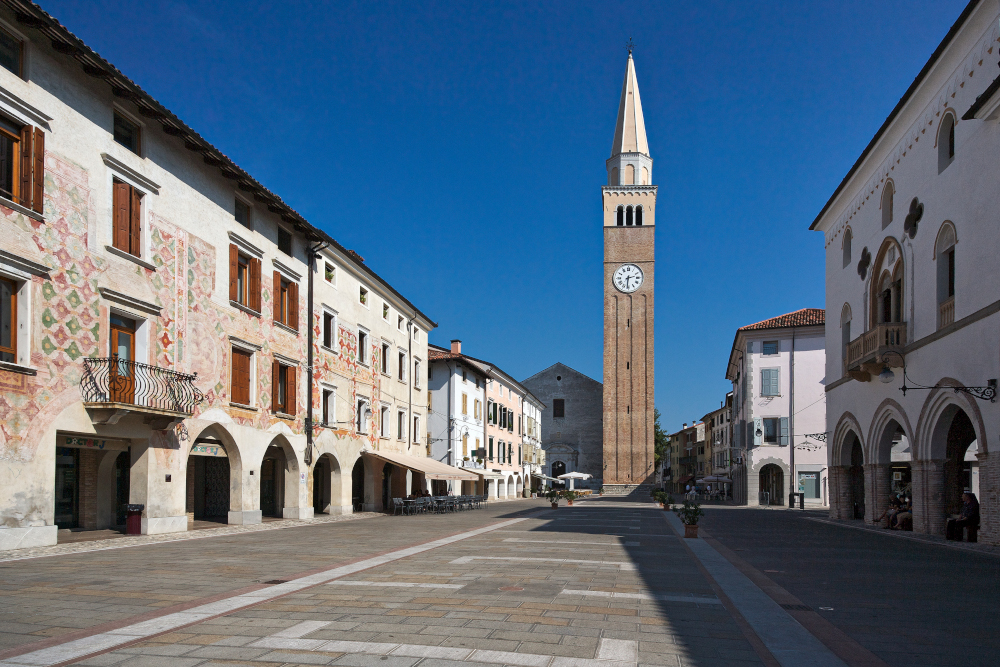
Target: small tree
(689, 513)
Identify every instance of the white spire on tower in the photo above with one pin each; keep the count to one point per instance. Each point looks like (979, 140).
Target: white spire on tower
(630, 131)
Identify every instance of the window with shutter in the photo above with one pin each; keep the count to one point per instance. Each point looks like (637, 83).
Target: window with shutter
(38, 172)
(127, 217)
(465, 404)
(22, 163)
(240, 389)
(783, 435)
(254, 271)
(770, 382)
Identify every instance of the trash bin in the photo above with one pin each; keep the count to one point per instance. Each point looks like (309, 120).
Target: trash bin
(133, 522)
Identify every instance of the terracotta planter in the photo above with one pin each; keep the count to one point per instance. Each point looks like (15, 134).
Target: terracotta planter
(690, 530)
(569, 502)
(555, 506)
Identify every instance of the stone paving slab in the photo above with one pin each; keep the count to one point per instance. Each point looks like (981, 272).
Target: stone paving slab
(660, 610)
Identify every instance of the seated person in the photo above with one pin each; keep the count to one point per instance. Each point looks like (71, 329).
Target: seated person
(889, 515)
(968, 518)
(904, 519)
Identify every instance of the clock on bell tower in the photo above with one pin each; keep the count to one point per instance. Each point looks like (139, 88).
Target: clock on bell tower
(629, 202)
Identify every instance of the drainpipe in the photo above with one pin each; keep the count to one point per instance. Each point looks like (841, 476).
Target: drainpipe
(313, 253)
(409, 385)
(793, 484)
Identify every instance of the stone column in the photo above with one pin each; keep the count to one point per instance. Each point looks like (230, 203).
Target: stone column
(928, 497)
(878, 481)
(989, 497)
(158, 483)
(840, 492)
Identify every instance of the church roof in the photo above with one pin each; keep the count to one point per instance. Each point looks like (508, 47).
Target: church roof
(630, 130)
(807, 317)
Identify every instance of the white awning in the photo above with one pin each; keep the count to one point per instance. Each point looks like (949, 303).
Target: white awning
(429, 467)
(487, 474)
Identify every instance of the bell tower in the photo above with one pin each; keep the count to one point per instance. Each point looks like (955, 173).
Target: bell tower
(629, 202)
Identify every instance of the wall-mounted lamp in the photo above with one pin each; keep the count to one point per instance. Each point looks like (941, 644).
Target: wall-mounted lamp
(987, 393)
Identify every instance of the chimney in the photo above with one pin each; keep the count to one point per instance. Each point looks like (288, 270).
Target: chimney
(684, 425)
(456, 347)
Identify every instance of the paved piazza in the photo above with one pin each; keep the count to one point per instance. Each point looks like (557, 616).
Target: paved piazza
(604, 583)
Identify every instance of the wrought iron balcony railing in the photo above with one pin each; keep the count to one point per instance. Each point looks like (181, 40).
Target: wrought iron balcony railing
(122, 381)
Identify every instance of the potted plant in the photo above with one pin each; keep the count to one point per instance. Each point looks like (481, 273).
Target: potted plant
(570, 496)
(553, 497)
(689, 513)
(600, 491)
(661, 497)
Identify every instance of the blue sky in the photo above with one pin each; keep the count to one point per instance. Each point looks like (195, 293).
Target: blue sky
(459, 147)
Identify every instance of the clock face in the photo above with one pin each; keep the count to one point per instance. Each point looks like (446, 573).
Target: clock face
(627, 278)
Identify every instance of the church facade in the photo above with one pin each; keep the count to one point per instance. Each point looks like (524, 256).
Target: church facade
(629, 203)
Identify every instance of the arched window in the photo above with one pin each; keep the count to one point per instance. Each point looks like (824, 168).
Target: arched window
(629, 175)
(613, 178)
(944, 255)
(638, 216)
(887, 204)
(946, 142)
(628, 216)
(645, 176)
(845, 332)
(621, 216)
(847, 247)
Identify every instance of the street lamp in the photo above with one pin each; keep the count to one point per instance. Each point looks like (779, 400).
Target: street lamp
(987, 393)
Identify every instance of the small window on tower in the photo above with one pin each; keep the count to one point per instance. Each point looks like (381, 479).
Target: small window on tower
(628, 216)
(638, 216)
(621, 216)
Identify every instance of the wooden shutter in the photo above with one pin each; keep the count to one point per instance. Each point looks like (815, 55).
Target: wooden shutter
(290, 406)
(293, 305)
(275, 369)
(122, 220)
(276, 298)
(38, 173)
(241, 377)
(135, 228)
(234, 272)
(783, 434)
(24, 187)
(253, 298)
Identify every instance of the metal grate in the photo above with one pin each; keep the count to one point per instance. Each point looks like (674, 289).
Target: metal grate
(796, 607)
(275, 581)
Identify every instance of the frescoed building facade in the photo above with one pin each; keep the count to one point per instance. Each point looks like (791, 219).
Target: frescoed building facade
(157, 323)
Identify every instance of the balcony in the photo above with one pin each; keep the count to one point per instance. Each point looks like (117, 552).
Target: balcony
(946, 313)
(114, 387)
(867, 353)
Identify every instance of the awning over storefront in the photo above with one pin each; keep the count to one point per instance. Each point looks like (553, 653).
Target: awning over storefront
(551, 479)
(685, 479)
(488, 474)
(429, 467)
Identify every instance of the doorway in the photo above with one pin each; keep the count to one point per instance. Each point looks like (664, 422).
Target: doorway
(121, 383)
(387, 471)
(67, 489)
(322, 473)
(772, 483)
(957, 470)
(123, 467)
(358, 486)
(857, 481)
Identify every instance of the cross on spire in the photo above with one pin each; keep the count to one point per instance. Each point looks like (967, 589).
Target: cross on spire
(630, 46)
